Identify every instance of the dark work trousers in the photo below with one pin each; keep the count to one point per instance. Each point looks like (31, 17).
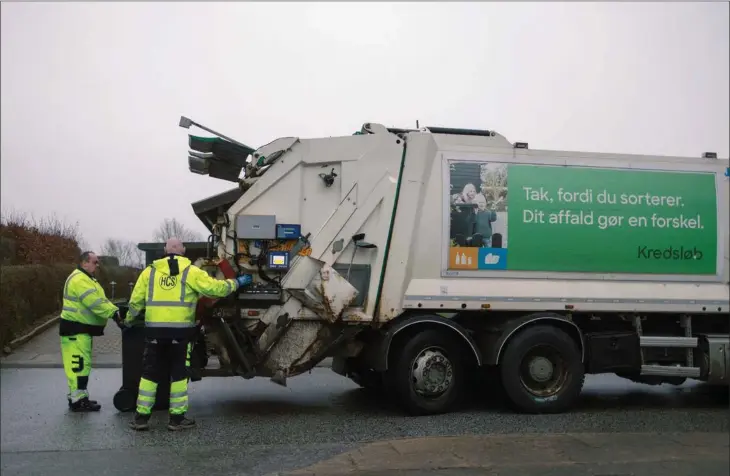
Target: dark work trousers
(158, 354)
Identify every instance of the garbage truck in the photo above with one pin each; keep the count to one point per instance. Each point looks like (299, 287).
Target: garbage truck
(426, 261)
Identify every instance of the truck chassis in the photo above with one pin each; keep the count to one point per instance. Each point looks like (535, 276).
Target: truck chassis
(427, 360)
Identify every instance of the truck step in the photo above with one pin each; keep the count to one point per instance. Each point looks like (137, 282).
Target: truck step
(670, 371)
(668, 341)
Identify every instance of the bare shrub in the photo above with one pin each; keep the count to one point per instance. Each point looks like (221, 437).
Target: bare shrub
(49, 225)
(125, 251)
(171, 228)
(31, 240)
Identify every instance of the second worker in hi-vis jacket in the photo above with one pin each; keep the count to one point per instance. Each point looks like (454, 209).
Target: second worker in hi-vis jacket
(168, 290)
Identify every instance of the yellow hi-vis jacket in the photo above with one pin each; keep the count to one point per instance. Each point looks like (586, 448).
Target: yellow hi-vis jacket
(168, 290)
(86, 309)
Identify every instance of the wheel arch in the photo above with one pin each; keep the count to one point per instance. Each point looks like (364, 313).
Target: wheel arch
(513, 328)
(414, 324)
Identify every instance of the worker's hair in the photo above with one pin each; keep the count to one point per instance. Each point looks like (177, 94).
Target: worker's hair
(85, 256)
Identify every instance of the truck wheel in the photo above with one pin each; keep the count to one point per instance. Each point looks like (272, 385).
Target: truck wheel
(541, 371)
(427, 373)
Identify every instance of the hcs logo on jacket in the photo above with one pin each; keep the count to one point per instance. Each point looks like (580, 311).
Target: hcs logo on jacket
(168, 282)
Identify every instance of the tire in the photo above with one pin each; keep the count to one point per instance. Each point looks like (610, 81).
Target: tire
(400, 379)
(568, 372)
(125, 400)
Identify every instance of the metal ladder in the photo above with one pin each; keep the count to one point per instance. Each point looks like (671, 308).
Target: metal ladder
(687, 342)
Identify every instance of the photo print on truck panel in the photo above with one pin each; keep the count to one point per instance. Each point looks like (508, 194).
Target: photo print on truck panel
(581, 219)
(478, 215)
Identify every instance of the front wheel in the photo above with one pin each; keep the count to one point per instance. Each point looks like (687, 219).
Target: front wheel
(542, 371)
(428, 373)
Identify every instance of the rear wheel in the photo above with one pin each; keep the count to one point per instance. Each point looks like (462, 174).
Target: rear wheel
(427, 373)
(541, 371)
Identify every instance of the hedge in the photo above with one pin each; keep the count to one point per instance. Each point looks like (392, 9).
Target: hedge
(22, 245)
(31, 293)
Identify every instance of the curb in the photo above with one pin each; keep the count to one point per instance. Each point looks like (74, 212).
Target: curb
(29, 364)
(23, 339)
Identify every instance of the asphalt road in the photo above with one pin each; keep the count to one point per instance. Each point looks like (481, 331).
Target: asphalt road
(256, 427)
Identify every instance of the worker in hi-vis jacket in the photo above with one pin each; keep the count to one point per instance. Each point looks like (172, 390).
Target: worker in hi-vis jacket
(84, 314)
(168, 290)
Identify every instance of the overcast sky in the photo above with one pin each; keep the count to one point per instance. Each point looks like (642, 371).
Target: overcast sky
(92, 92)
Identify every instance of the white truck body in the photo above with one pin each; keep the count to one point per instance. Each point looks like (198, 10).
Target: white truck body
(583, 263)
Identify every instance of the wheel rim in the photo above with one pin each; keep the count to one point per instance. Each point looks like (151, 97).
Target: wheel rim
(543, 371)
(432, 373)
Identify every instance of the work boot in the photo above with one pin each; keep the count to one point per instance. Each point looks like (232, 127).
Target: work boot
(180, 422)
(140, 422)
(84, 405)
(93, 402)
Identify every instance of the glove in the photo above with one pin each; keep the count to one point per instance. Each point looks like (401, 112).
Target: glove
(244, 280)
(118, 319)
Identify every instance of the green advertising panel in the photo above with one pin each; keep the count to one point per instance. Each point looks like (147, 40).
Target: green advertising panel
(582, 219)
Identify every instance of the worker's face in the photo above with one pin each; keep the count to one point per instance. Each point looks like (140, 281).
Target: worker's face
(91, 265)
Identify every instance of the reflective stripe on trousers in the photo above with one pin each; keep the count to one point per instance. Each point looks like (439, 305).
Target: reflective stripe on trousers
(76, 353)
(148, 392)
(179, 397)
(146, 396)
(78, 395)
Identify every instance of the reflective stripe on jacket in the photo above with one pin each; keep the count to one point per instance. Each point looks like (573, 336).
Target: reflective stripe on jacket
(85, 306)
(168, 290)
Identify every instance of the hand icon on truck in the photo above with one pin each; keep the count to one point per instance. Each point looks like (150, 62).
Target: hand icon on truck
(491, 259)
